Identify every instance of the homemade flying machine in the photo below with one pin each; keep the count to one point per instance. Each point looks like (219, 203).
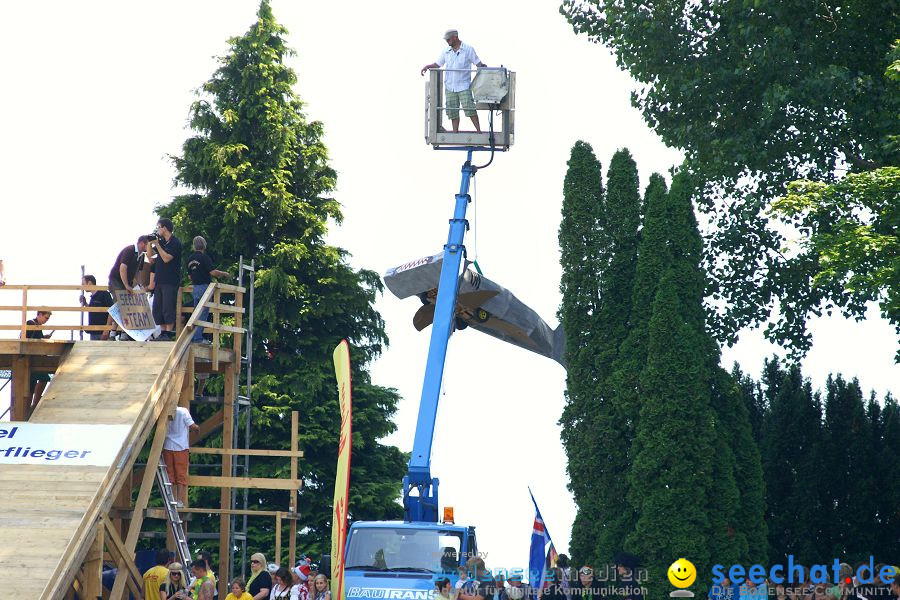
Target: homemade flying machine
(480, 303)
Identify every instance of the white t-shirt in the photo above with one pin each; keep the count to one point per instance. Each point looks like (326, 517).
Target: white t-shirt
(177, 435)
(464, 58)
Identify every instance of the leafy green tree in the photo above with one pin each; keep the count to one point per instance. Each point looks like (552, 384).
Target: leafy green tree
(850, 253)
(580, 243)
(759, 94)
(257, 183)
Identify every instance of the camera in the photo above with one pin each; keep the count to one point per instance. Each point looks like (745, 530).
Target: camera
(153, 236)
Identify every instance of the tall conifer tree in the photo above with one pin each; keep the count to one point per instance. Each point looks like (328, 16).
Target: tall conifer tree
(258, 184)
(671, 476)
(849, 461)
(792, 463)
(580, 244)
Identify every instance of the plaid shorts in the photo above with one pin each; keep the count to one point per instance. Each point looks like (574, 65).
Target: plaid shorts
(454, 99)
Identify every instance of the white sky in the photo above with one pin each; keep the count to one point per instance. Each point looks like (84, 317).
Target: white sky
(95, 95)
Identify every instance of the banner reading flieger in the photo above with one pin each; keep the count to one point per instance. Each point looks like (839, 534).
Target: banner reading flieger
(67, 444)
(342, 478)
(133, 314)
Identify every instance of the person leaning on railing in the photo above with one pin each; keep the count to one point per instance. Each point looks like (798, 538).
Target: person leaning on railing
(458, 59)
(99, 299)
(201, 272)
(39, 381)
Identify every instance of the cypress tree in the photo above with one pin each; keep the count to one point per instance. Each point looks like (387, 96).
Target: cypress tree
(887, 528)
(672, 473)
(622, 210)
(653, 258)
(257, 183)
(794, 473)
(848, 460)
(733, 423)
(580, 244)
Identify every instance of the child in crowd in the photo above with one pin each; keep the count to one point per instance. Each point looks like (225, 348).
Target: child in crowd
(238, 591)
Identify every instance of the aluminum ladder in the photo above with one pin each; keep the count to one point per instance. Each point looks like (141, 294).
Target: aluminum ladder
(182, 550)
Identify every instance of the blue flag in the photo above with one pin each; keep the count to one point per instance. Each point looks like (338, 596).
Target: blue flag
(537, 557)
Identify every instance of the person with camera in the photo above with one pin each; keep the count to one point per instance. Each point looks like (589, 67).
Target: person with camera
(167, 276)
(173, 587)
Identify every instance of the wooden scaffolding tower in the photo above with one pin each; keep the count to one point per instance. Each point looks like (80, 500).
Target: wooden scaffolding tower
(62, 524)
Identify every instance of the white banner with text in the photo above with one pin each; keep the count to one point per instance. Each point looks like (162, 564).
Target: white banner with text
(60, 443)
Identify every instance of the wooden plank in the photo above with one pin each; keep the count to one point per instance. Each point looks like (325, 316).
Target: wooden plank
(257, 483)
(230, 288)
(278, 538)
(93, 566)
(248, 452)
(229, 393)
(187, 385)
(86, 309)
(35, 347)
(20, 396)
(159, 438)
(217, 298)
(220, 327)
(195, 315)
(295, 431)
(53, 328)
(207, 427)
(122, 556)
(213, 307)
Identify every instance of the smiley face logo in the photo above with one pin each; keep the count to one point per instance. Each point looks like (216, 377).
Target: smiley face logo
(682, 573)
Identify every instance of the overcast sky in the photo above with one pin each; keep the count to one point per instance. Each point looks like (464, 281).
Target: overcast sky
(96, 95)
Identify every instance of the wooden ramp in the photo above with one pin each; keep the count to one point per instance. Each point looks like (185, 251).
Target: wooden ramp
(49, 515)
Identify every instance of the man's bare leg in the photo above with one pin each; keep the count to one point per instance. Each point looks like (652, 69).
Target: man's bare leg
(476, 123)
(455, 125)
(181, 493)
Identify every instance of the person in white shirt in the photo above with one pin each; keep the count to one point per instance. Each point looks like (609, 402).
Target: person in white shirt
(458, 60)
(175, 451)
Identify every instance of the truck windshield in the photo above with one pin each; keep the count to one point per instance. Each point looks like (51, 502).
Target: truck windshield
(404, 549)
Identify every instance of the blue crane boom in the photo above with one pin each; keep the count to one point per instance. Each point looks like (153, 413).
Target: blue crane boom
(423, 506)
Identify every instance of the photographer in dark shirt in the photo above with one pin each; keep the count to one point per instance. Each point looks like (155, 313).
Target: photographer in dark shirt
(99, 298)
(167, 277)
(201, 272)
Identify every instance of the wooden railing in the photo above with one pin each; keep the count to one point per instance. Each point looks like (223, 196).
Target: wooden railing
(26, 309)
(187, 316)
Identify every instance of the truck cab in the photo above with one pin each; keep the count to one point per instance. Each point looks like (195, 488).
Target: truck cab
(397, 560)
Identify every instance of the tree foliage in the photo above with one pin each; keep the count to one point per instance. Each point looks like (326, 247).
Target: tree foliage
(758, 94)
(659, 425)
(579, 240)
(257, 183)
(831, 462)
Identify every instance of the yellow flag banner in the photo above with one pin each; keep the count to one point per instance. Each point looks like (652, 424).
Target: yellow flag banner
(342, 477)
